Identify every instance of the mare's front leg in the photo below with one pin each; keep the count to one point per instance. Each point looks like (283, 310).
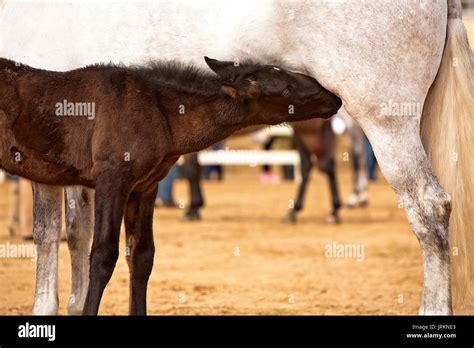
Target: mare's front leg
(46, 231)
(140, 246)
(79, 228)
(111, 194)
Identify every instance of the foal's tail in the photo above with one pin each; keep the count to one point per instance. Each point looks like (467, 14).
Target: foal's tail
(447, 131)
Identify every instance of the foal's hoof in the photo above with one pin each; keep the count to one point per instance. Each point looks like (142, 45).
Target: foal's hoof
(290, 218)
(333, 219)
(191, 216)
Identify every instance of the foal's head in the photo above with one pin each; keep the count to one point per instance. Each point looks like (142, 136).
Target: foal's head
(275, 94)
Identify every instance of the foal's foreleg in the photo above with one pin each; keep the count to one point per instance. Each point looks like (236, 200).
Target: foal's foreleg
(111, 195)
(79, 228)
(404, 164)
(140, 247)
(46, 231)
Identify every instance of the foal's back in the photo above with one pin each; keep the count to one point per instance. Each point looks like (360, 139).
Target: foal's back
(50, 124)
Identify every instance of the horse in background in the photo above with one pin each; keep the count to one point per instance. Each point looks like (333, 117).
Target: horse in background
(312, 137)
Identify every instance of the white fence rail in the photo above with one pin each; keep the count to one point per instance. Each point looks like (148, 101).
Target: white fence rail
(252, 158)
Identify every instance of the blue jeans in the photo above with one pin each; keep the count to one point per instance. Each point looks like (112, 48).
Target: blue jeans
(165, 188)
(371, 161)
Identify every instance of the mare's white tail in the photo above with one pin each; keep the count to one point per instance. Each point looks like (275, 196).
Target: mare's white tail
(447, 130)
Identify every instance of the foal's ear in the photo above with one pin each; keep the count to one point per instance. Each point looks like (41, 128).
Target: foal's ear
(226, 70)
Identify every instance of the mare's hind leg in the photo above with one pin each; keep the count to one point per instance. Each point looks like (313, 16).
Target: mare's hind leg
(46, 231)
(79, 227)
(306, 165)
(402, 159)
(140, 247)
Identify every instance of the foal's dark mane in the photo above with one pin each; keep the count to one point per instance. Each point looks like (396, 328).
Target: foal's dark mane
(178, 75)
(173, 74)
(14, 66)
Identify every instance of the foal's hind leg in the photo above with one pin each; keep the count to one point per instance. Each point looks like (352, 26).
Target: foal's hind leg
(140, 248)
(79, 227)
(46, 231)
(403, 161)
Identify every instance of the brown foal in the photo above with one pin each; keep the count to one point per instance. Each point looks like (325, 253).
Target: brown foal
(120, 129)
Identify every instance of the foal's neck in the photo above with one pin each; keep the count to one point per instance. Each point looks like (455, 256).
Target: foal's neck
(202, 121)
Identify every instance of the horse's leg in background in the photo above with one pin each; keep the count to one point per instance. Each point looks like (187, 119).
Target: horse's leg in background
(327, 165)
(358, 198)
(79, 205)
(140, 246)
(192, 173)
(47, 209)
(306, 165)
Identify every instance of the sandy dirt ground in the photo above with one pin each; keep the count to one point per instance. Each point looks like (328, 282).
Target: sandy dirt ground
(241, 258)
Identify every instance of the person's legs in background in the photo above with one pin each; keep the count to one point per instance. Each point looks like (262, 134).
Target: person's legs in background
(267, 177)
(218, 169)
(165, 188)
(371, 160)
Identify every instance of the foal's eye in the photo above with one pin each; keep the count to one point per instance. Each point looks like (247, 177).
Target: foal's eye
(251, 81)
